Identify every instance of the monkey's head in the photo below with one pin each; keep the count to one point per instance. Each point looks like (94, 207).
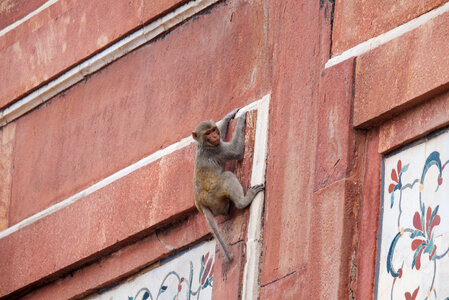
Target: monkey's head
(207, 134)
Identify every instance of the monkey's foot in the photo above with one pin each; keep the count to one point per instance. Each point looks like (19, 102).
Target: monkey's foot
(256, 188)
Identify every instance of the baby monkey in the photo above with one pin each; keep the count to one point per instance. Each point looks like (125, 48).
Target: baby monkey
(214, 187)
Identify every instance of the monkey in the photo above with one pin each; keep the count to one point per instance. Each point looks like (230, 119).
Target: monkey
(214, 188)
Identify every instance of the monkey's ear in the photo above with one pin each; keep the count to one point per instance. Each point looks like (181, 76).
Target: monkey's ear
(195, 136)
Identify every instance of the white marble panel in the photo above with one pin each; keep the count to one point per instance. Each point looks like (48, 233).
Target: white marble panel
(188, 275)
(413, 260)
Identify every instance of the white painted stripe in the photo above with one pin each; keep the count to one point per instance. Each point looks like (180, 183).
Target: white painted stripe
(110, 179)
(100, 60)
(27, 17)
(387, 36)
(251, 286)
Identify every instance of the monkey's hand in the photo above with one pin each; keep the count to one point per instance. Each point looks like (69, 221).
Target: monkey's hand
(232, 114)
(242, 120)
(223, 127)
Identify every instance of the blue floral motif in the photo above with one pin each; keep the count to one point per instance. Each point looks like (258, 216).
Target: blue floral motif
(420, 235)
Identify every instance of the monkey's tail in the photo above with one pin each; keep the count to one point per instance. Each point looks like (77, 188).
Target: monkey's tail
(213, 226)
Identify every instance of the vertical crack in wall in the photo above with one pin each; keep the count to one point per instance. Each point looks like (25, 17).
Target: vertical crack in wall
(332, 10)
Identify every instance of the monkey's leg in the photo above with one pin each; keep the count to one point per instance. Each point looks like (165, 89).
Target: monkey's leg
(235, 190)
(213, 226)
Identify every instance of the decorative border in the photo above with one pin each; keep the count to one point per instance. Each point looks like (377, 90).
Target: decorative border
(100, 60)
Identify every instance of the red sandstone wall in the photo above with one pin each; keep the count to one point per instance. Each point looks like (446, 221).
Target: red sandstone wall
(328, 128)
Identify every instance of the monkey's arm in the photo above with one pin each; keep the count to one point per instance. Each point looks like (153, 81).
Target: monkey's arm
(223, 127)
(235, 149)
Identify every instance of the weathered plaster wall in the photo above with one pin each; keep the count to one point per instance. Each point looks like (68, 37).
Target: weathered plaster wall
(328, 129)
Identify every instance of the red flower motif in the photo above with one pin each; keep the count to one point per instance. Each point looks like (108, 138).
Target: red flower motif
(409, 296)
(395, 176)
(423, 239)
(417, 221)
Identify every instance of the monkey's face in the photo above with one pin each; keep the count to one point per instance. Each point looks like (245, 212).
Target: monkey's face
(207, 134)
(212, 136)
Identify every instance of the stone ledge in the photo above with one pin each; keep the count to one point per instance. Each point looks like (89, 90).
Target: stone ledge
(402, 73)
(126, 261)
(358, 21)
(414, 124)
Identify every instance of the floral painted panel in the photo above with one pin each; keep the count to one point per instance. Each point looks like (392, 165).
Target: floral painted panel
(413, 259)
(188, 275)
